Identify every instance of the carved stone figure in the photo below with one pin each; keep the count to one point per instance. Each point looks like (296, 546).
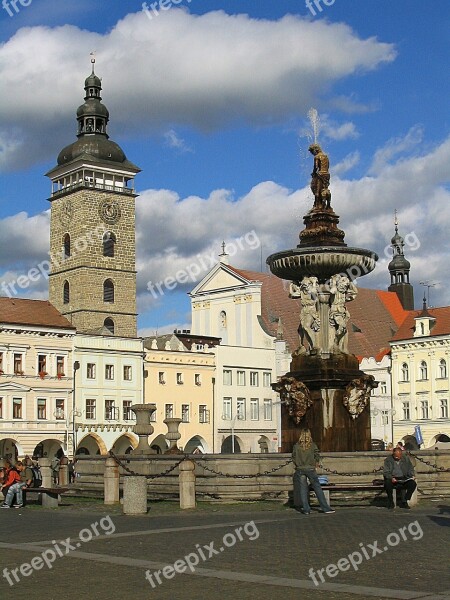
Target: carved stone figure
(295, 396)
(357, 394)
(342, 290)
(309, 314)
(320, 177)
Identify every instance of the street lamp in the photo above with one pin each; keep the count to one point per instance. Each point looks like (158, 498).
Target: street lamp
(76, 366)
(233, 423)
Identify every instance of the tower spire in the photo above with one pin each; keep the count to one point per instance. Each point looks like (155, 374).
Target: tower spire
(399, 269)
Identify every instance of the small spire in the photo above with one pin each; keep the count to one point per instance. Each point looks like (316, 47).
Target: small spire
(224, 256)
(396, 221)
(92, 55)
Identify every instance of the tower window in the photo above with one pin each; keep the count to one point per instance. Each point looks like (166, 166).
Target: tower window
(66, 243)
(108, 291)
(109, 241)
(66, 293)
(109, 324)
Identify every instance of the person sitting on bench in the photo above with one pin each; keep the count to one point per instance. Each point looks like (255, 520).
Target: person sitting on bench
(25, 479)
(398, 473)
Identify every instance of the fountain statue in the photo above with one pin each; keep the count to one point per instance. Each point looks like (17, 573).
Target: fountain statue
(324, 390)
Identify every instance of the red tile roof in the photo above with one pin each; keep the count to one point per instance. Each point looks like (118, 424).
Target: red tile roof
(441, 325)
(375, 315)
(20, 311)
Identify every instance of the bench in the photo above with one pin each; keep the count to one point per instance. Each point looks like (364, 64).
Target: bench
(360, 487)
(51, 497)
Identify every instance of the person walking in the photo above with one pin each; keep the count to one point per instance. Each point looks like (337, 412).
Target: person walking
(306, 457)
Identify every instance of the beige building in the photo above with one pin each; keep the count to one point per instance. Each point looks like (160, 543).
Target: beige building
(181, 382)
(36, 379)
(421, 378)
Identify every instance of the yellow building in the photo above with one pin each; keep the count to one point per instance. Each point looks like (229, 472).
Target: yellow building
(420, 377)
(36, 379)
(180, 381)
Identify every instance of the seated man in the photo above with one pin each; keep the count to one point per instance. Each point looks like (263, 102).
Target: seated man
(398, 473)
(23, 479)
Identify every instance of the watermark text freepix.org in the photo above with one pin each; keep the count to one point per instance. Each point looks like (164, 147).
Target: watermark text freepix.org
(203, 552)
(11, 6)
(59, 550)
(156, 7)
(367, 552)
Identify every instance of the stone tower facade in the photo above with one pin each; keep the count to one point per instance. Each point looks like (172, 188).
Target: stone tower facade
(92, 233)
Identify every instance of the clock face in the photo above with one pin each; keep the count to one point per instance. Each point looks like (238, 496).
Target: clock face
(66, 212)
(109, 211)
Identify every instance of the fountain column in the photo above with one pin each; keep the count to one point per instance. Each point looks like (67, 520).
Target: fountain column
(324, 389)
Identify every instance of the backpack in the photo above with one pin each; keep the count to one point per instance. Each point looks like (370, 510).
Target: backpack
(37, 477)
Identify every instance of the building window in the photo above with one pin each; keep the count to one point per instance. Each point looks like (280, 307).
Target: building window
(59, 412)
(90, 408)
(227, 377)
(203, 414)
(180, 379)
(109, 242)
(405, 372)
(127, 372)
(254, 409)
(442, 369)
(383, 387)
(41, 408)
(423, 370)
(1, 407)
(267, 379)
(108, 291)
(153, 417)
(267, 409)
(424, 410)
(91, 371)
(126, 407)
(109, 372)
(66, 292)
(227, 412)
(384, 417)
(42, 364)
(60, 370)
(406, 411)
(110, 410)
(185, 416)
(66, 244)
(169, 411)
(17, 408)
(254, 379)
(240, 405)
(18, 364)
(109, 324)
(162, 377)
(444, 408)
(2, 365)
(197, 379)
(241, 377)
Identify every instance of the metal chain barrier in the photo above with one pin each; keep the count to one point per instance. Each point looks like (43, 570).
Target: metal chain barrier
(130, 472)
(230, 475)
(429, 464)
(332, 472)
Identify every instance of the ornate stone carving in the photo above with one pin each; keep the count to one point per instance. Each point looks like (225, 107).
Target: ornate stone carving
(357, 394)
(309, 314)
(295, 396)
(342, 290)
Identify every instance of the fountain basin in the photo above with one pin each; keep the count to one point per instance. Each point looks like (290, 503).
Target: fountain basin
(322, 262)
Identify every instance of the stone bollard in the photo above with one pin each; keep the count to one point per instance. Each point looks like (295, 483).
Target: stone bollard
(187, 484)
(46, 472)
(134, 495)
(111, 482)
(63, 471)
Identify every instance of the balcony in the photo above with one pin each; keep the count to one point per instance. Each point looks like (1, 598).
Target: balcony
(116, 189)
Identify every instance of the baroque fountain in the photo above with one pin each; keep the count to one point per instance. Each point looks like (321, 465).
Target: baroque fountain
(324, 389)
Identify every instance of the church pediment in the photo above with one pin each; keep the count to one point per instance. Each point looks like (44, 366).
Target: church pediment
(219, 278)
(11, 386)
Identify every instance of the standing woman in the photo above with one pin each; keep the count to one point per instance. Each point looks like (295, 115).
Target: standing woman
(306, 457)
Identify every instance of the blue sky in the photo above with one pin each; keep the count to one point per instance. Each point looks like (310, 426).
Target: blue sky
(210, 99)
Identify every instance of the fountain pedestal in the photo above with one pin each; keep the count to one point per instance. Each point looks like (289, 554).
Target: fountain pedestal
(324, 390)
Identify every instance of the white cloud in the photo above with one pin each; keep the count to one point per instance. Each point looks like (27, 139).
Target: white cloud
(173, 140)
(396, 146)
(179, 69)
(347, 163)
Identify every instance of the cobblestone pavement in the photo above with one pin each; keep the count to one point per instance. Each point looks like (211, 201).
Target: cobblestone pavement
(257, 550)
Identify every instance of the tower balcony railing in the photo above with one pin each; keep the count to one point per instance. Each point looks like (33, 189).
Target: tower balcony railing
(94, 186)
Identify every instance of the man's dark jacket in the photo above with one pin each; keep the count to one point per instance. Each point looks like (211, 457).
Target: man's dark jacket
(405, 465)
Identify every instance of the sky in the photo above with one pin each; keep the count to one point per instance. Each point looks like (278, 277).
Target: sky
(210, 99)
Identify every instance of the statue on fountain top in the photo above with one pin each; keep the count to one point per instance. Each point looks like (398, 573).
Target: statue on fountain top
(320, 178)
